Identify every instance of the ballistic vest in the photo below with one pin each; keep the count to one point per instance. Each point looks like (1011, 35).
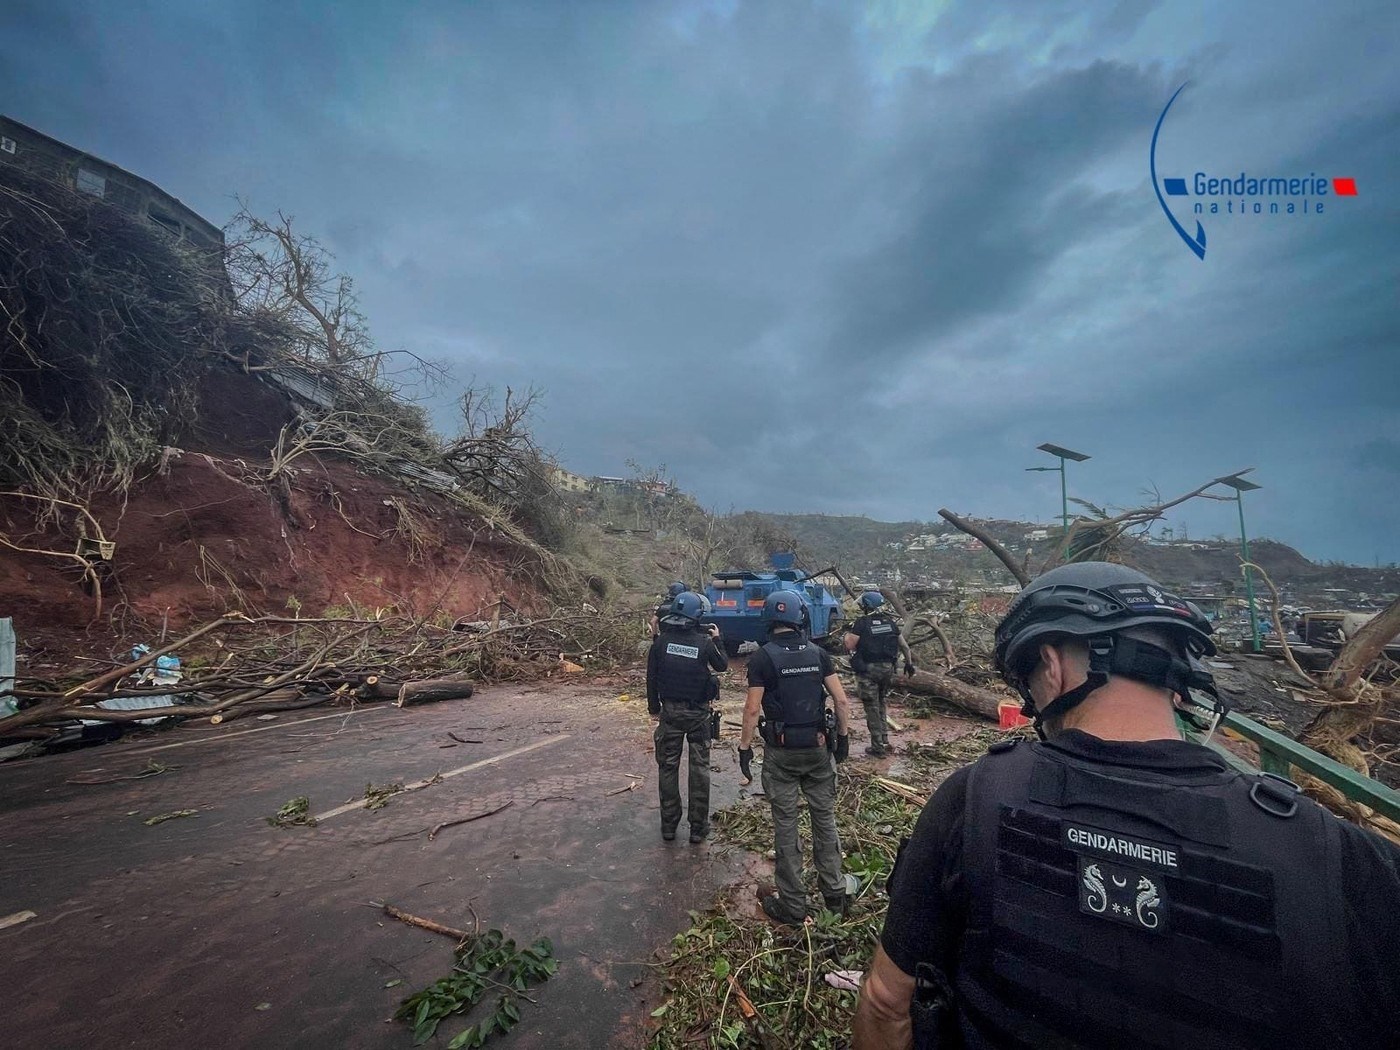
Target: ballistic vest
(880, 642)
(799, 702)
(1114, 907)
(683, 674)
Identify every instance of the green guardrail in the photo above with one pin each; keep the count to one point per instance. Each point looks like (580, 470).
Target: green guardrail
(1278, 754)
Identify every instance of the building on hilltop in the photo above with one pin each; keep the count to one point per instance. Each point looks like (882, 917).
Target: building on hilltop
(567, 481)
(35, 152)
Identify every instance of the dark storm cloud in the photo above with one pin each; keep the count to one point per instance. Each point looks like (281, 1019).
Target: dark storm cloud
(993, 201)
(815, 256)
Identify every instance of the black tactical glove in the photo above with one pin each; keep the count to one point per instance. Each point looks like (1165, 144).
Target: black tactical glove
(746, 764)
(909, 667)
(843, 748)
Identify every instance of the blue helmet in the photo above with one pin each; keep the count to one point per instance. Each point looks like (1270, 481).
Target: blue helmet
(784, 607)
(871, 600)
(676, 589)
(688, 606)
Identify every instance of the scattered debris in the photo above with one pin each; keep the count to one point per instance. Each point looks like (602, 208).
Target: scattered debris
(845, 980)
(466, 820)
(294, 811)
(153, 769)
(17, 918)
(485, 963)
(297, 663)
(423, 924)
(904, 791)
(735, 980)
(463, 739)
(173, 815)
(378, 797)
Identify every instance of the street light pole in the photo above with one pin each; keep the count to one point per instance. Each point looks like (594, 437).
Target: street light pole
(1062, 454)
(1241, 486)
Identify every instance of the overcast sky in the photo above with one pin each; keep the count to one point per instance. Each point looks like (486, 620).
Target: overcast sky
(820, 256)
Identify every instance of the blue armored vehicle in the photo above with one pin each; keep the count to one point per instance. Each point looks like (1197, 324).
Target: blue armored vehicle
(737, 596)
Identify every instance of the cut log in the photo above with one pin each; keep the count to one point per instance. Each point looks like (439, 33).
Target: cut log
(976, 701)
(376, 688)
(433, 690)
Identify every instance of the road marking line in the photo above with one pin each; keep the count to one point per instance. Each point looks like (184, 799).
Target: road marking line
(245, 732)
(360, 802)
(17, 918)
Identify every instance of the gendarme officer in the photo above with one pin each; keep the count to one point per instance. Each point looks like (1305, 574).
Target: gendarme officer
(673, 591)
(679, 690)
(875, 643)
(789, 680)
(1114, 885)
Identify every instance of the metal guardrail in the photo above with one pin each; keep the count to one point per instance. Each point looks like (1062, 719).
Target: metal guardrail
(1278, 754)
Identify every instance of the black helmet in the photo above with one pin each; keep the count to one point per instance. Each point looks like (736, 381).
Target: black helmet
(676, 589)
(1094, 600)
(784, 607)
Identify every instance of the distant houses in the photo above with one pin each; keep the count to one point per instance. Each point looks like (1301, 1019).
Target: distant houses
(567, 481)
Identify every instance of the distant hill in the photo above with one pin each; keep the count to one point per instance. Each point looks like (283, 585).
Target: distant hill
(875, 551)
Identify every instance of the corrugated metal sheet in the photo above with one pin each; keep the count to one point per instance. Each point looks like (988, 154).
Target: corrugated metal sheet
(302, 383)
(432, 478)
(138, 703)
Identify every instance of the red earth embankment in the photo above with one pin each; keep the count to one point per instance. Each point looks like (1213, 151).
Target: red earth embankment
(203, 536)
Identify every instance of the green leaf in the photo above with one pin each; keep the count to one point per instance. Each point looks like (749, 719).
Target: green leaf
(394, 983)
(721, 968)
(660, 1010)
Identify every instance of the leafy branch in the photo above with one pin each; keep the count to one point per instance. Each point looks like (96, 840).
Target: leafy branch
(486, 963)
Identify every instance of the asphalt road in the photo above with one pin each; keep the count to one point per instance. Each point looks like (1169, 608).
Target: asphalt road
(217, 930)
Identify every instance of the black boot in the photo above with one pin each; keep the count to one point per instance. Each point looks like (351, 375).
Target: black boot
(839, 904)
(698, 834)
(668, 834)
(779, 912)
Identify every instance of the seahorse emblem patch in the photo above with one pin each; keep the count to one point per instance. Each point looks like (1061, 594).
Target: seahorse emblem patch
(1121, 894)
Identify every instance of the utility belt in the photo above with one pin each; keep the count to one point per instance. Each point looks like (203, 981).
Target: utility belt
(788, 737)
(860, 665)
(698, 705)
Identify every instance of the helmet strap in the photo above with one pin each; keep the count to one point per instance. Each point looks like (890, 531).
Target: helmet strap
(1141, 662)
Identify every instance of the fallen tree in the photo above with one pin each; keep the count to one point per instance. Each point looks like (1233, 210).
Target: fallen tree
(271, 663)
(970, 698)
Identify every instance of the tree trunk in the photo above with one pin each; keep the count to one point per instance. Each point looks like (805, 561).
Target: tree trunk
(1358, 704)
(976, 701)
(432, 690)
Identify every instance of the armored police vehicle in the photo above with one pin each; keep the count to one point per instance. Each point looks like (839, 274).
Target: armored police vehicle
(737, 596)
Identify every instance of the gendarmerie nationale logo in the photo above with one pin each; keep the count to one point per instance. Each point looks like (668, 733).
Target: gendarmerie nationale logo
(1267, 194)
